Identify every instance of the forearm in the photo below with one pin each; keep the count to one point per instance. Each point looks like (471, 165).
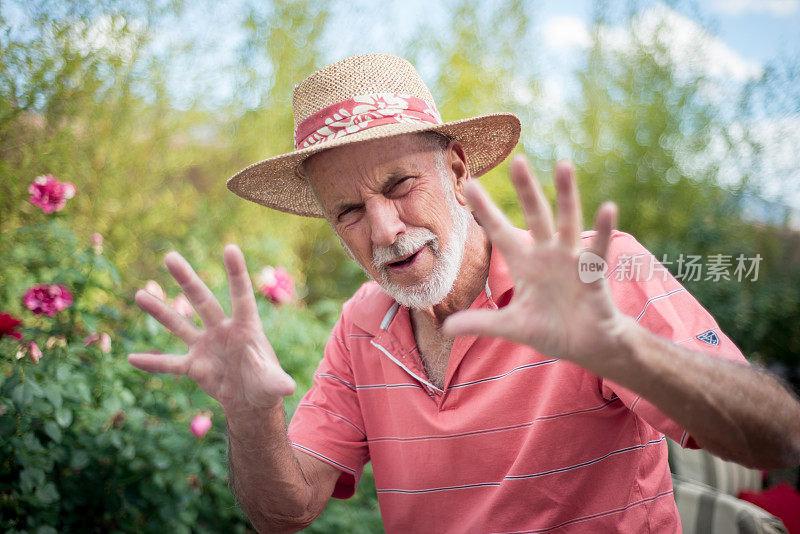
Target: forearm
(734, 411)
(264, 473)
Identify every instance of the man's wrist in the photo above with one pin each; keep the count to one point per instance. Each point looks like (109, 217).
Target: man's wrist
(253, 424)
(619, 356)
(640, 358)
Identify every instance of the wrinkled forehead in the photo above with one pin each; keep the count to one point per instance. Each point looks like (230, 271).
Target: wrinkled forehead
(339, 171)
(375, 152)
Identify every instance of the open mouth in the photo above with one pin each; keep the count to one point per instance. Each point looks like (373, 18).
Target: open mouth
(408, 260)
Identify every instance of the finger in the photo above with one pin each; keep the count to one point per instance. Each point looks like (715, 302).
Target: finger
(176, 364)
(605, 220)
(570, 221)
(487, 323)
(172, 320)
(493, 220)
(535, 207)
(203, 300)
(243, 302)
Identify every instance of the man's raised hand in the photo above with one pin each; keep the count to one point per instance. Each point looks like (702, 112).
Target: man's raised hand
(552, 310)
(230, 358)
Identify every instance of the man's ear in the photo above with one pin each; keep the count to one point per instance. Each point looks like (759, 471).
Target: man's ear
(457, 161)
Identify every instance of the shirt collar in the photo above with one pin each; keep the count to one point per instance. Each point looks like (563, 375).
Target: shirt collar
(375, 310)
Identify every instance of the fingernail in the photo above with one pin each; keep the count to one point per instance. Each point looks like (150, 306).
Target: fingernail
(565, 164)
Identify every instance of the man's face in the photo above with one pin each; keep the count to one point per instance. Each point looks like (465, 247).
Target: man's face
(395, 206)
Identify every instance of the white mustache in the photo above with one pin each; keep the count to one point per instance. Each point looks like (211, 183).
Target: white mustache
(405, 245)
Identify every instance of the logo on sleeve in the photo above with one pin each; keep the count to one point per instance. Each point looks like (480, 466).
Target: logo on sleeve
(709, 337)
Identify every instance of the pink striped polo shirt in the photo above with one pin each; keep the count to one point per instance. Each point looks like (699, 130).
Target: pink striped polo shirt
(517, 441)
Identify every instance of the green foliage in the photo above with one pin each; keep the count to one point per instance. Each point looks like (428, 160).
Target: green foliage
(91, 444)
(480, 73)
(645, 133)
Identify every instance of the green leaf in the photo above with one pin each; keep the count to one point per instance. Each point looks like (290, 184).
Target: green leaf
(127, 397)
(113, 405)
(53, 430)
(64, 416)
(63, 373)
(22, 395)
(79, 459)
(7, 425)
(109, 312)
(128, 452)
(47, 494)
(152, 326)
(90, 321)
(36, 389)
(10, 383)
(31, 444)
(53, 394)
(161, 461)
(29, 478)
(82, 391)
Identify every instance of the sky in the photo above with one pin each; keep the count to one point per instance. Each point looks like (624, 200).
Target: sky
(750, 33)
(739, 39)
(756, 30)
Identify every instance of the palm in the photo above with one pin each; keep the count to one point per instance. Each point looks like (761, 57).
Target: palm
(231, 359)
(552, 309)
(225, 358)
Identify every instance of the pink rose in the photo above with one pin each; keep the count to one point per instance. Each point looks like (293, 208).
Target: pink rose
(36, 353)
(182, 305)
(200, 425)
(47, 299)
(103, 342)
(276, 284)
(152, 287)
(50, 194)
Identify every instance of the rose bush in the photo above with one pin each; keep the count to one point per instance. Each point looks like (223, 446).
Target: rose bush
(90, 444)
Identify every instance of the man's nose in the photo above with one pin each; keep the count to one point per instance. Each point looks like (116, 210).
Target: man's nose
(385, 223)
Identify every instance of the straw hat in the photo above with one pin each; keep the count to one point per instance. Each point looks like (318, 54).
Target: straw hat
(359, 99)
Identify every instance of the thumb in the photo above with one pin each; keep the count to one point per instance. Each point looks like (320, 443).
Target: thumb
(487, 323)
(282, 384)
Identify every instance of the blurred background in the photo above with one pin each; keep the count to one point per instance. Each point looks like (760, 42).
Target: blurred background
(687, 114)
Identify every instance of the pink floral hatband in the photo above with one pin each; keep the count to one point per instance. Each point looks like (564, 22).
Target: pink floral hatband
(361, 113)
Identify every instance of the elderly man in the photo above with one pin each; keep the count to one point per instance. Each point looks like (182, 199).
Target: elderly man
(492, 384)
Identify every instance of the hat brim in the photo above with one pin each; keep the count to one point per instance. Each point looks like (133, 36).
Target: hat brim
(277, 183)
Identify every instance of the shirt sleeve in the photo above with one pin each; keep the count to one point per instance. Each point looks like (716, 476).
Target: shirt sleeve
(328, 424)
(645, 290)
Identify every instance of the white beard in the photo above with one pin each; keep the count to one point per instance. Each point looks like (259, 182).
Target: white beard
(436, 286)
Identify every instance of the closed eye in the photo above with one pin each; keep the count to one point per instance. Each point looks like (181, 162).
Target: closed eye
(345, 212)
(400, 186)
(394, 189)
